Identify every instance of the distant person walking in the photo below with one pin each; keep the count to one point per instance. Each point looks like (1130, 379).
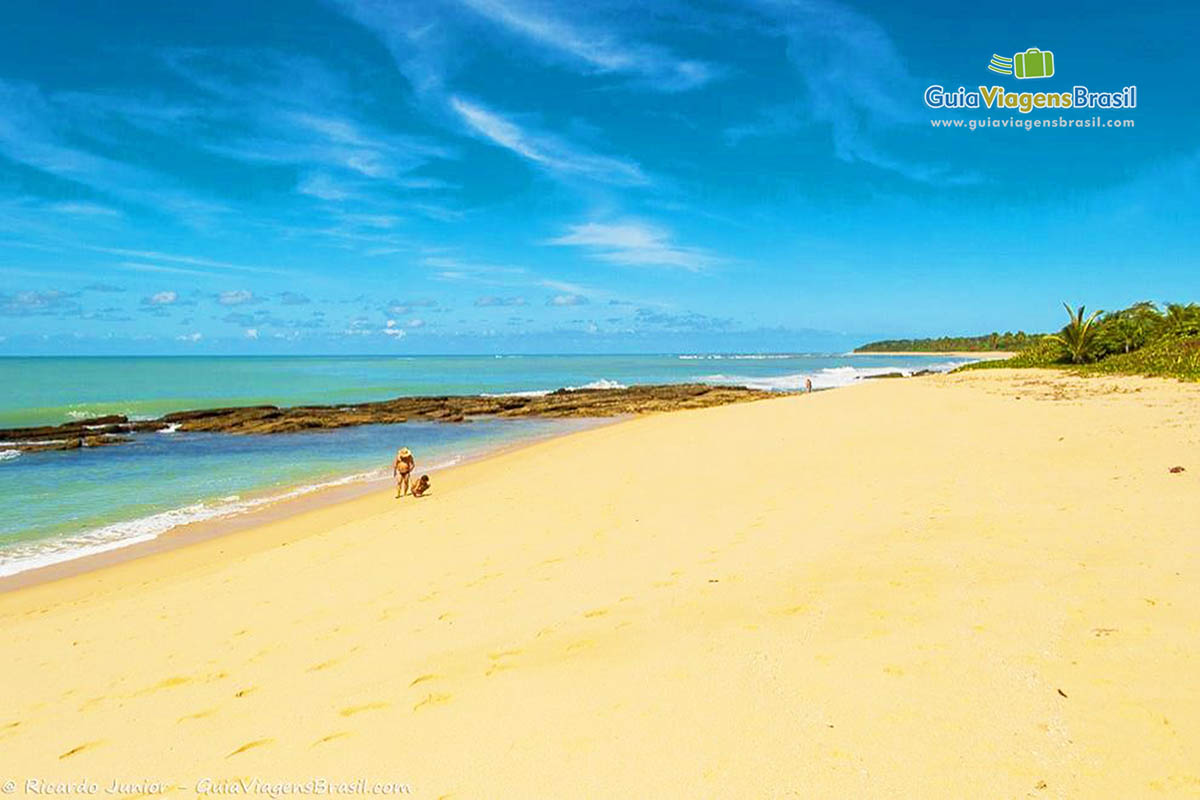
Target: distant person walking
(808, 385)
(402, 468)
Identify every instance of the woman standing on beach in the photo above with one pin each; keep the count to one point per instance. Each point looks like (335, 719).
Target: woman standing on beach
(402, 467)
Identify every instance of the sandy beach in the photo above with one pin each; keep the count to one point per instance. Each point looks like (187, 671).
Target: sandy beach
(972, 585)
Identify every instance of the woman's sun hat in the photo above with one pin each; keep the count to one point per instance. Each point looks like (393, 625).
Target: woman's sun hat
(404, 452)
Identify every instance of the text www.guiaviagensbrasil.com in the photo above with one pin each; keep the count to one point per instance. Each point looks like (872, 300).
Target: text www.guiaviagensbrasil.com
(1030, 124)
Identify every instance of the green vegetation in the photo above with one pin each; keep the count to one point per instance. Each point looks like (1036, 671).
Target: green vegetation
(1043, 353)
(1078, 337)
(988, 343)
(1140, 340)
(1168, 358)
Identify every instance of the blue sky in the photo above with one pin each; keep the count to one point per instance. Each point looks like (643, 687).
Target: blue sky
(364, 176)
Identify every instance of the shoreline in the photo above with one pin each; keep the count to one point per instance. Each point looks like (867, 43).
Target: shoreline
(283, 508)
(990, 355)
(992, 583)
(279, 503)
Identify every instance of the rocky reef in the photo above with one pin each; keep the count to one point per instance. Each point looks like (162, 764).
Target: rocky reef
(116, 429)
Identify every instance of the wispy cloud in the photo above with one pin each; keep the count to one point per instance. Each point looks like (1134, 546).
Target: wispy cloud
(427, 40)
(85, 210)
(495, 301)
(634, 243)
(545, 149)
(592, 46)
(43, 132)
(152, 255)
(451, 268)
(294, 110)
(857, 82)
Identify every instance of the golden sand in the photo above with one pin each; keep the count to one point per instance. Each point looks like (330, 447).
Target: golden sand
(979, 585)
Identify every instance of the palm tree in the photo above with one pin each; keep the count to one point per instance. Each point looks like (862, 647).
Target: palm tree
(1130, 328)
(1182, 320)
(1079, 335)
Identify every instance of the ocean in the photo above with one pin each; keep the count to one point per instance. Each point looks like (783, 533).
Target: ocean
(62, 505)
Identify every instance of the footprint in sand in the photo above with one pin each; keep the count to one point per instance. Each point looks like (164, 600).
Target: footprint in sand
(90, 703)
(432, 699)
(503, 654)
(482, 578)
(422, 678)
(323, 665)
(198, 715)
(250, 746)
(246, 691)
(80, 748)
(331, 737)
(582, 644)
(595, 612)
(498, 663)
(165, 683)
(350, 711)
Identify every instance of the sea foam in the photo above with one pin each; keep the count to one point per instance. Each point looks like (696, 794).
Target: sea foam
(828, 378)
(23, 556)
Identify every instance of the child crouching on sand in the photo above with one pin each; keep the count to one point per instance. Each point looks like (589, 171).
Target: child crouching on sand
(421, 486)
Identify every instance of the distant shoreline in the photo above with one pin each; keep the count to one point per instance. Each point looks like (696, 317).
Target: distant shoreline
(983, 355)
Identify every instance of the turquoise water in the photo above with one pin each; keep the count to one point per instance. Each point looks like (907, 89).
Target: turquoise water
(65, 504)
(40, 391)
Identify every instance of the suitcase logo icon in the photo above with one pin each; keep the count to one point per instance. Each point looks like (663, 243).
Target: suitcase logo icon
(1033, 63)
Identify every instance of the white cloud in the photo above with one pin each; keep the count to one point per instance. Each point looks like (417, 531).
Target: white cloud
(567, 300)
(494, 300)
(235, 298)
(322, 187)
(190, 337)
(596, 49)
(547, 150)
(85, 210)
(858, 83)
(391, 329)
(633, 242)
(424, 40)
(151, 255)
(416, 323)
(161, 299)
(251, 333)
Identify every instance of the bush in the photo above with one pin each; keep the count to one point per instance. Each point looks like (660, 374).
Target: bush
(1169, 357)
(1045, 352)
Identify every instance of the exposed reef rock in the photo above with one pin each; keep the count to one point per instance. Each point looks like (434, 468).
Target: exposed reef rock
(114, 429)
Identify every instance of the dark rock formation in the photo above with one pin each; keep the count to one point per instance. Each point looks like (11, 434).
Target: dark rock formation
(101, 431)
